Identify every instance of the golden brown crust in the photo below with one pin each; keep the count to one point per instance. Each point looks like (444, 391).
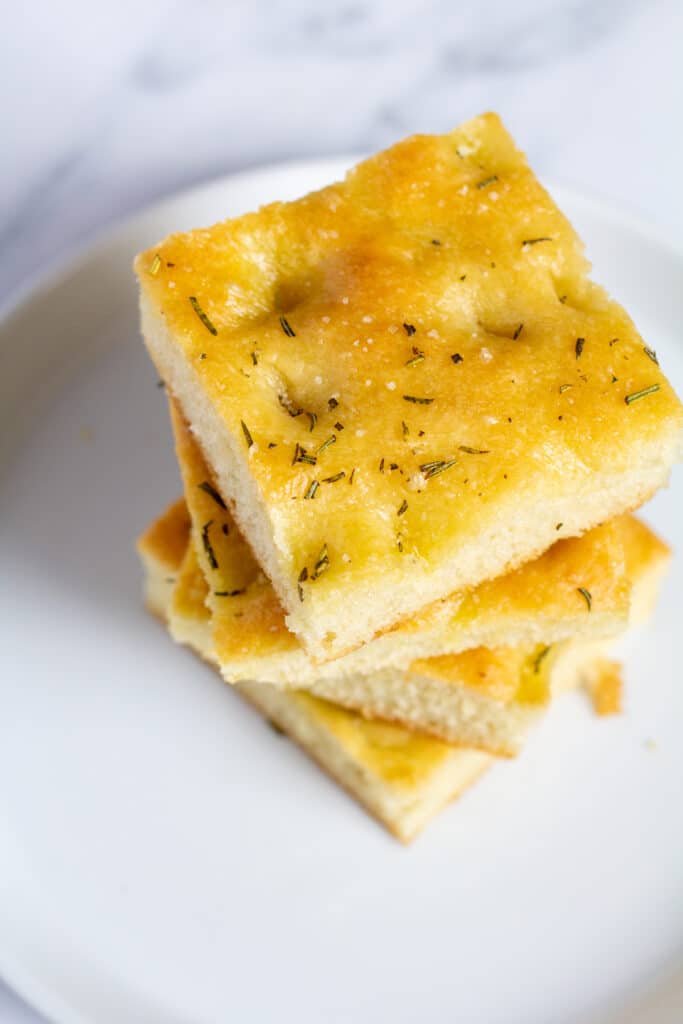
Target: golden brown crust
(352, 304)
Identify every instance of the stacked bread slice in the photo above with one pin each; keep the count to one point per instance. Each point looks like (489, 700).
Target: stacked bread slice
(410, 431)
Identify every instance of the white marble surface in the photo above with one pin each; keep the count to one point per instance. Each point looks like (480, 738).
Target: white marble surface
(105, 107)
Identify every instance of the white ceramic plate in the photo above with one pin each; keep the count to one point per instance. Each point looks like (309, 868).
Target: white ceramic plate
(164, 857)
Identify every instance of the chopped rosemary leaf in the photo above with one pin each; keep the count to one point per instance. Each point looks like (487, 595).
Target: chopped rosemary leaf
(487, 181)
(565, 387)
(456, 358)
(418, 357)
(614, 341)
(213, 493)
(381, 465)
(247, 436)
(272, 444)
(276, 728)
(558, 526)
(338, 425)
(312, 489)
(614, 379)
(154, 266)
(562, 299)
(416, 400)
(229, 593)
(474, 451)
(399, 542)
(405, 429)
(210, 554)
(578, 348)
(202, 355)
(321, 563)
(518, 331)
(393, 466)
(403, 507)
(409, 329)
(538, 660)
(254, 358)
(430, 469)
(333, 479)
(629, 399)
(313, 419)
(161, 384)
(288, 407)
(353, 473)
(535, 241)
(301, 455)
(326, 444)
(436, 241)
(332, 403)
(651, 354)
(586, 595)
(303, 576)
(225, 529)
(287, 327)
(202, 315)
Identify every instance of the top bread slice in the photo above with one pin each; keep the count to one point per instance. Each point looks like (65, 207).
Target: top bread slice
(406, 383)
(542, 602)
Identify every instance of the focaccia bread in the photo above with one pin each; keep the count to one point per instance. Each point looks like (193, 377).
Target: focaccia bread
(400, 777)
(406, 383)
(539, 604)
(403, 778)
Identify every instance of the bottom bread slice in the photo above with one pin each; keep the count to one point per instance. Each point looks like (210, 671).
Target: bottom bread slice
(402, 777)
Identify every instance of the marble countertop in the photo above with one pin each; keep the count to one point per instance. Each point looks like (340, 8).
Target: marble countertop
(106, 107)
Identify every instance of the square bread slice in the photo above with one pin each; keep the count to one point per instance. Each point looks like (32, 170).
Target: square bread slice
(406, 383)
(539, 604)
(400, 777)
(483, 698)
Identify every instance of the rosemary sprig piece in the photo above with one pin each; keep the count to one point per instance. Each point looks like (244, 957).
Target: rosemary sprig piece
(487, 181)
(403, 507)
(518, 331)
(418, 357)
(535, 241)
(287, 327)
(409, 329)
(210, 553)
(416, 400)
(312, 490)
(474, 451)
(229, 593)
(456, 358)
(202, 315)
(247, 435)
(322, 563)
(538, 660)
(578, 348)
(326, 444)
(430, 469)
(213, 493)
(651, 354)
(637, 395)
(333, 479)
(301, 455)
(586, 595)
(155, 265)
